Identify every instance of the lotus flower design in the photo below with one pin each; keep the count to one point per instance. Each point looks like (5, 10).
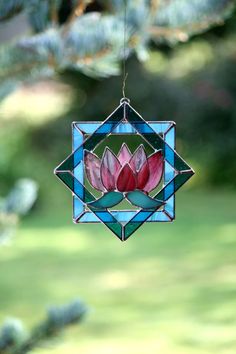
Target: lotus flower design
(131, 176)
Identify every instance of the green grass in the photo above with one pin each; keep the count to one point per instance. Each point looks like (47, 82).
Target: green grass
(170, 289)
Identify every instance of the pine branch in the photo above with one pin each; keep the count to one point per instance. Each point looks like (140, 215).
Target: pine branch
(15, 205)
(154, 6)
(21, 198)
(10, 8)
(53, 11)
(41, 13)
(80, 7)
(14, 339)
(177, 20)
(30, 59)
(92, 39)
(92, 43)
(95, 40)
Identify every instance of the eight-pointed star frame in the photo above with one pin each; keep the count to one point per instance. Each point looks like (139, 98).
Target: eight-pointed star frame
(124, 120)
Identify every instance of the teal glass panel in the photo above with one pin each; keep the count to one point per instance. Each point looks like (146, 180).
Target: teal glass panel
(67, 179)
(92, 142)
(143, 201)
(116, 228)
(180, 164)
(130, 228)
(67, 165)
(108, 200)
(182, 178)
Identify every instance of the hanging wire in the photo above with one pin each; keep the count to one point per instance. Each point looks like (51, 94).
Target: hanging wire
(125, 74)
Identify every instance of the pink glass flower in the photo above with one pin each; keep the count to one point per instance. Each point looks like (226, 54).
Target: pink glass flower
(124, 172)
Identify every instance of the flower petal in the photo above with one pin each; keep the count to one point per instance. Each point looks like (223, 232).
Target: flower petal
(110, 168)
(156, 166)
(143, 176)
(92, 168)
(126, 180)
(124, 154)
(138, 159)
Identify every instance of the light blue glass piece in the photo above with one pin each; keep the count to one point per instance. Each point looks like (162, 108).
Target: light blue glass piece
(169, 206)
(78, 208)
(158, 217)
(123, 216)
(87, 128)
(170, 146)
(77, 137)
(160, 128)
(169, 173)
(126, 216)
(89, 217)
(124, 128)
(77, 142)
(79, 172)
(170, 138)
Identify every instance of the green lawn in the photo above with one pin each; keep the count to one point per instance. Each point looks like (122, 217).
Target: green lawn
(170, 289)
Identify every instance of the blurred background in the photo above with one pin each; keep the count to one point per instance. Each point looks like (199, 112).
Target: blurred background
(171, 288)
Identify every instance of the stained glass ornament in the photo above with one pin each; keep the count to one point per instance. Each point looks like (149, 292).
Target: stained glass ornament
(148, 182)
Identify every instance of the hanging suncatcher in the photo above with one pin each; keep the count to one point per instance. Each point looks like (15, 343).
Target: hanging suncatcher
(148, 183)
(145, 179)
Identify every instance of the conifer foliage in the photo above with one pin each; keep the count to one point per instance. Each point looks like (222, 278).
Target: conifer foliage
(15, 339)
(87, 35)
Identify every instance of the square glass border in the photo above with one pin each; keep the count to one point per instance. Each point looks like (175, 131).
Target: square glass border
(167, 214)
